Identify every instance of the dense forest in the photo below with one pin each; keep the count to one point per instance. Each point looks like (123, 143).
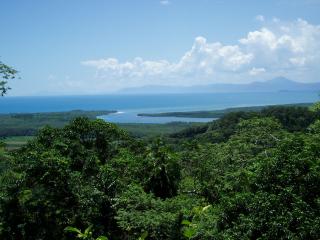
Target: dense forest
(14, 125)
(248, 175)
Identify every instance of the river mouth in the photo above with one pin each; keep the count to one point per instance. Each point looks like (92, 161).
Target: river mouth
(132, 117)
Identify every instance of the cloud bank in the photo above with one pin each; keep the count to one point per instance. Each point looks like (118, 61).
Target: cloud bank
(290, 49)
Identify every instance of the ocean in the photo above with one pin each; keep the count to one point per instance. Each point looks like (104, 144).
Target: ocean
(128, 106)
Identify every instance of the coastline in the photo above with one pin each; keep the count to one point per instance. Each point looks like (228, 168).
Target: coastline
(217, 113)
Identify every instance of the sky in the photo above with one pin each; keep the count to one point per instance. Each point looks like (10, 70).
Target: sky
(79, 47)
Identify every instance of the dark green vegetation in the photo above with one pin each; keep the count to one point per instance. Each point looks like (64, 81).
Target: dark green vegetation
(138, 130)
(17, 128)
(13, 143)
(293, 119)
(216, 113)
(27, 124)
(248, 175)
(149, 130)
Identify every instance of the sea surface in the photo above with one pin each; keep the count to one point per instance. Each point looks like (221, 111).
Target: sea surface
(128, 106)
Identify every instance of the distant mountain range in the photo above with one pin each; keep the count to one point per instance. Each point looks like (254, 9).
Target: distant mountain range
(273, 85)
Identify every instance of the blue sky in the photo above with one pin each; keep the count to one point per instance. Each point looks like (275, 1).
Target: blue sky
(100, 46)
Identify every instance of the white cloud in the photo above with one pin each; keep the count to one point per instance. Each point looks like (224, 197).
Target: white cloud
(290, 49)
(165, 2)
(284, 45)
(298, 61)
(201, 62)
(260, 18)
(256, 71)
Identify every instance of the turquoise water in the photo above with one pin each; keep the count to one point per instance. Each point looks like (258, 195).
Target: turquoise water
(129, 105)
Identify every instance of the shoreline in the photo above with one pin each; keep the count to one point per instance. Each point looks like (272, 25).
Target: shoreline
(218, 113)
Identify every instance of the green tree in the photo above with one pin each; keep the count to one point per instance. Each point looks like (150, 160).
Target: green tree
(58, 181)
(250, 176)
(6, 73)
(163, 171)
(263, 184)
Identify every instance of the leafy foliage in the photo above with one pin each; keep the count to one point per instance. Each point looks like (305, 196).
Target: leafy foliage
(86, 235)
(6, 73)
(245, 176)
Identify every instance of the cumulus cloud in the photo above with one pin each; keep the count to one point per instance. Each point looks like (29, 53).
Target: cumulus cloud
(290, 49)
(284, 46)
(202, 61)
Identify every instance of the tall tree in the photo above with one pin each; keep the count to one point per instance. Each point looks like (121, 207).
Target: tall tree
(6, 73)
